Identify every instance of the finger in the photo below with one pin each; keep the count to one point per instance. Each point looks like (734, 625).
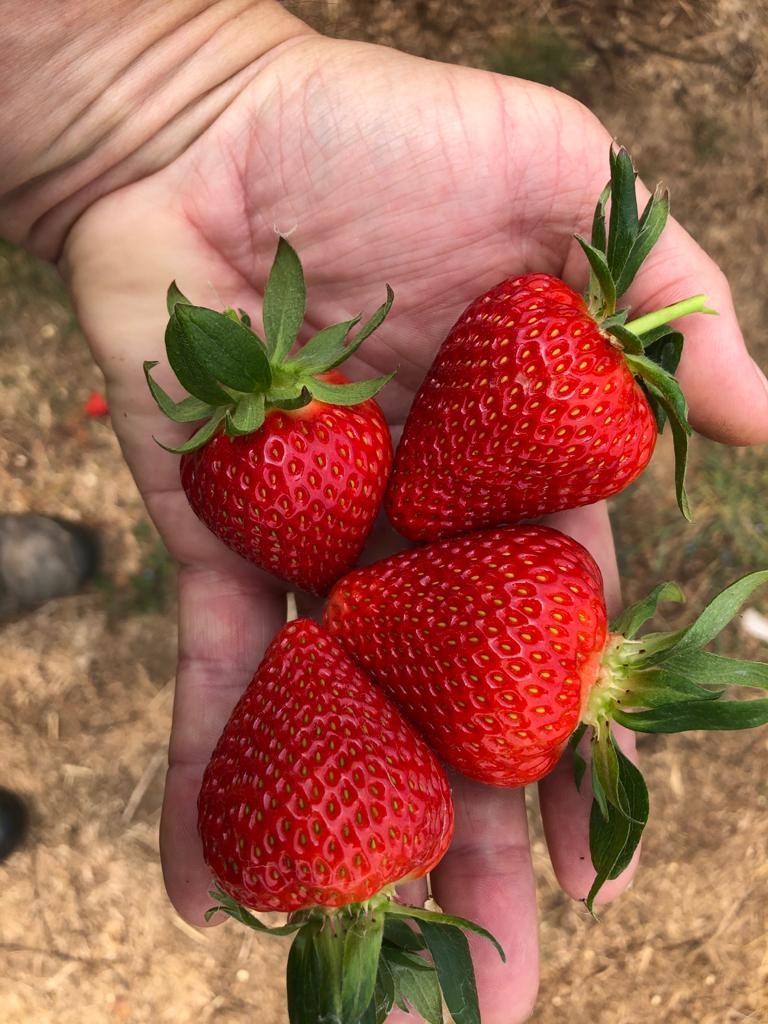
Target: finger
(487, 876)
(565, 813)
(226, 621)
(726, 392)
(591, 527)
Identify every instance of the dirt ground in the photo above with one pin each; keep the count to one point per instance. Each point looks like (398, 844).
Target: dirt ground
(86, 933)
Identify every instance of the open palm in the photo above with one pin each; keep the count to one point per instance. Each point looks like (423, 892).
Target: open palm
(380, 168)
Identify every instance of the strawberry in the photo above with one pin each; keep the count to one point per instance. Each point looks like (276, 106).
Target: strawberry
(489, 643)
(495, 645)
(317, 799)
(290, 468)
(538, 400)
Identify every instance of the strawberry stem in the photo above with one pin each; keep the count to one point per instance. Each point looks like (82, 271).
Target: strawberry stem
(650, 321)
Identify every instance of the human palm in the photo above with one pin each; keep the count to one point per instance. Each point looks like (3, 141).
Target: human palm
(380, 168)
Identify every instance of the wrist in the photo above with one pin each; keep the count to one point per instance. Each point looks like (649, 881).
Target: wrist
(114, 93)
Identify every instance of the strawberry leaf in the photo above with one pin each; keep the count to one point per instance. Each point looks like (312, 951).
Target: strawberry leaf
(698, 715)
(398, 932)
(651, 225)
(629, 340)
(321, 351)
(228, 350)
(285, 299)
(613, 838)
(438, 918)
(311, 997)
(348, 394)
(420, 987)
(598, 236)
(362, 948)
(709, 669)
(658, 687)
(191, 372)
(248, 415)
(186, 411)
(174, 296)
(232, 908)
(199, 438)
(636, 615)
(623, 221)
(716, 616)
(605, 287)
(449, 950)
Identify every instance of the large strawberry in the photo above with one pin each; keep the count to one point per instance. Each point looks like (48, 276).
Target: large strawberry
(317, 799)
(538, 400)
(290, 467)
(495, 645)
(489, 643)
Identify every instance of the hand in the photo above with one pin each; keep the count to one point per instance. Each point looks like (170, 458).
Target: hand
(440, 180)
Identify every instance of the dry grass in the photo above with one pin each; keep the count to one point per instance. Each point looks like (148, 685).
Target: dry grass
(85, 684)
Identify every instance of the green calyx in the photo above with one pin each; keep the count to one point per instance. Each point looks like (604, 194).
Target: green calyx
(353, 964)
(662, 682)
(234, 377)
(651, 347)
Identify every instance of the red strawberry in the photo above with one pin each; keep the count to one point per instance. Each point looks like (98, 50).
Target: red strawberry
(489, 643)
(319, 797)
(297, 497)
(291, 465)
(538, 401)
(495, 645)
(319, 792)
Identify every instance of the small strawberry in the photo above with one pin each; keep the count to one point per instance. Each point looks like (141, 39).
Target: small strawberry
(538, 400)
(290, 467)
(495, 645)
(317, 800)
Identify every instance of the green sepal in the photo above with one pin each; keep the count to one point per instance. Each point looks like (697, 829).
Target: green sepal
(188, 410)
(605, 772)
(579, 764)
(285, 300)
(437, 918)
(707, 669)
(347, 394)
(697, 715)
(636, 615)
(650, 227)
(716, 616)
(232, 908)
(321, 351)
(289, 398)
(191, 372)
(628, 340)
(173, 297)
(449, 950)
(623, 221)
(614, 838)
(656, 687)
(247, 416)
(666, 389)
(230, 352)
(352, 965)
(416, 983)
(383, 996)
(663, 346)
(398, 933)
(605, 286)
(199, 438)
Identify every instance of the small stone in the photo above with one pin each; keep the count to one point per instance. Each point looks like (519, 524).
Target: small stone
(242, 975)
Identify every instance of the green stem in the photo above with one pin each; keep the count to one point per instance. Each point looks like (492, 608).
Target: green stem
(695, 304)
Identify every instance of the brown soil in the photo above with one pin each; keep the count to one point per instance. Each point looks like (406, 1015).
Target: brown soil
(87, 935)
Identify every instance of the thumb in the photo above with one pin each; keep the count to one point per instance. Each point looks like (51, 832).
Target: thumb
(726, 391)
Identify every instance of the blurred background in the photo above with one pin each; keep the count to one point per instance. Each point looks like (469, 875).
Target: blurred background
(86, 934)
